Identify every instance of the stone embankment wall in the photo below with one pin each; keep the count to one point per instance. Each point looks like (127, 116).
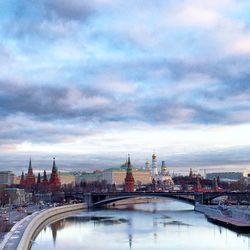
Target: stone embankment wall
(43, 218)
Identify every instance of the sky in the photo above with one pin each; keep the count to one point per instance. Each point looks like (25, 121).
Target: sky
(88, 82)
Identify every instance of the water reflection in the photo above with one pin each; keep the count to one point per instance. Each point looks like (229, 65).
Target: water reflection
(56, 226)
(164, 225)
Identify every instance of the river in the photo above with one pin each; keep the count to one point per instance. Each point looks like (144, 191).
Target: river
(166, 224)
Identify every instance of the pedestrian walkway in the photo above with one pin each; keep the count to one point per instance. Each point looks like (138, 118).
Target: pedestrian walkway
(12, 239)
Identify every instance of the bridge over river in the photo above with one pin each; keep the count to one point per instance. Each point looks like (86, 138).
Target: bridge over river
(100, 199)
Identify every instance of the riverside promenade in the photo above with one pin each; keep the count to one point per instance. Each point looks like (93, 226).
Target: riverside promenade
(22, 233)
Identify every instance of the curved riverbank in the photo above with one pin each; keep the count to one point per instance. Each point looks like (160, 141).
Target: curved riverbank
(43, 218)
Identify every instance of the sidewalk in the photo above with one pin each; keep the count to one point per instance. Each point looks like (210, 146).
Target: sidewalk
(12, 238)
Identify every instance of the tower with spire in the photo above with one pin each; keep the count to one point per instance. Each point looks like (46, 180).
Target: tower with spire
(54, 178)
(45, 178)
(22, 181)
(129, 180)
(30, 178)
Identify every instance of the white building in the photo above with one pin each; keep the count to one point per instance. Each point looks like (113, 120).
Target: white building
(165, 176)
(17, 196)
(154, 167)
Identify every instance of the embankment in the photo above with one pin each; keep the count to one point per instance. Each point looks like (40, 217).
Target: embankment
(44, 218)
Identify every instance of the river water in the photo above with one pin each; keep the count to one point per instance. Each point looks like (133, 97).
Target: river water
(166, 224)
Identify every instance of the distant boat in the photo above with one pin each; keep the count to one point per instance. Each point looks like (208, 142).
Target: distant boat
(235, 218)
(238, 225)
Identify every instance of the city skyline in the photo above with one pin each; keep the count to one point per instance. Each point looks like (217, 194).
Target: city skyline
(91, 81)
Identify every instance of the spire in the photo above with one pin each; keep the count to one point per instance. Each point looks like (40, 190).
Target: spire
(129, 179)
(22, 176)
(45, 176)
(54, 178)
(38, 178)
(54, 165)
(45, 179)
(22, 181)
(129, 169)
(190, 172)
(30, 170)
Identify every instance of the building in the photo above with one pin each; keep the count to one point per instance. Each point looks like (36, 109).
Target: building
(116, 176)
(225, 176)
(88, 177)
(28, 181)
(16, 196)
(67, 179)
(129, 179)
(165, 176)
(16, 180)
(7, 178)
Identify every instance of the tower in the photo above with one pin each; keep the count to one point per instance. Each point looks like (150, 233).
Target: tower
(30, 178)
(129, 180)
(165, 177)
(38, 178)
(45, 182)
(45, 178)
(54, 179)
(22, 181)
(163, 168)
(147, 165)
(154, 166)
(190, 173)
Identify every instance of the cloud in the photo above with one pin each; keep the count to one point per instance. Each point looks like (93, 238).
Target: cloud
(51, 102)
(73, 69)
(68, 9)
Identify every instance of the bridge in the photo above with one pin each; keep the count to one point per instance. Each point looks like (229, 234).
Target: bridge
(100, 199)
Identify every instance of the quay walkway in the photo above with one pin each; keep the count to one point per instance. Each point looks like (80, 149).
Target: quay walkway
(23, 232)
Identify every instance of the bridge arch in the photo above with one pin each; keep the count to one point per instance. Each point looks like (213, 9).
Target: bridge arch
(113, 198)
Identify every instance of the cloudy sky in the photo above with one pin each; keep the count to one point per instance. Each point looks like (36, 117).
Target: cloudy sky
(90, 81)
